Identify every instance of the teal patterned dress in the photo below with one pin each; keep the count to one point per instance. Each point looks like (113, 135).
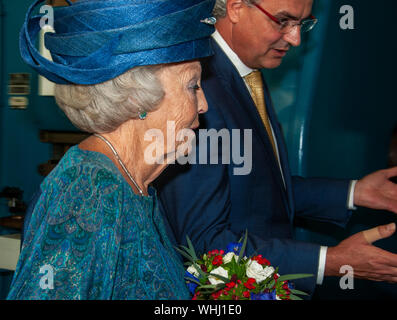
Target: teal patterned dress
(91, 237)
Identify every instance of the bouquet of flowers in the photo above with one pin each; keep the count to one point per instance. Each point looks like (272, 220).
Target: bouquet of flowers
(229, 275)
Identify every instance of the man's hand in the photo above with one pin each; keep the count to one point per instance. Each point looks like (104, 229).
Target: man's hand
(376, 191)
(367, 261)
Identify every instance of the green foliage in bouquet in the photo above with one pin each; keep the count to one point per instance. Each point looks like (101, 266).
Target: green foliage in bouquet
(229, 275)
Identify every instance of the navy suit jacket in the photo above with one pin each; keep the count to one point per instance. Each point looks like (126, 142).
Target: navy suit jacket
(213, 206)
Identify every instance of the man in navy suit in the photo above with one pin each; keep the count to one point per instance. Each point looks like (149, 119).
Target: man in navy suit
(213, 205)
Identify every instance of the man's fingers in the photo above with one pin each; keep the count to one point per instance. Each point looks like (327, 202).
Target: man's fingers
(391, 205)
(380, 232)
(392, 172)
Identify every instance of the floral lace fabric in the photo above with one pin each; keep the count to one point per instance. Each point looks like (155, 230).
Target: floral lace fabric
(99, 239)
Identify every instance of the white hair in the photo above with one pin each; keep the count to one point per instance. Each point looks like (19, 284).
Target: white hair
(103, 107)
(219, 10)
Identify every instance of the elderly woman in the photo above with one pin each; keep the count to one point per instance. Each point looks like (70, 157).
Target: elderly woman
(122, 68)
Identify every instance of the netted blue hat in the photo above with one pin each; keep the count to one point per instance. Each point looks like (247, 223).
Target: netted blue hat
(98, 40)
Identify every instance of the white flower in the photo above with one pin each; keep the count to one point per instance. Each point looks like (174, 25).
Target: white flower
(218, 271)
(229, 256)
(256, 271)
(192, 270)
(268, 271)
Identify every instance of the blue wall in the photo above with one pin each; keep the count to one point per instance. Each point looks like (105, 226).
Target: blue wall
(335, 97)
(354, 113)
(20, 128)
(20, 149)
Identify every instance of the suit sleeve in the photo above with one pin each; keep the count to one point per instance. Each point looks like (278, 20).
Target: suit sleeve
(322, 200)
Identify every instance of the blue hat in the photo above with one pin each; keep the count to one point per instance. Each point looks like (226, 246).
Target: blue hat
(98, 40)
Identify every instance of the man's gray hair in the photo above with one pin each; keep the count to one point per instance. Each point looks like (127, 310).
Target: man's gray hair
(220, 7)
(103, 107)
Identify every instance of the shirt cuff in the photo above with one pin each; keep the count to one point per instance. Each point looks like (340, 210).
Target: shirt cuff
(350, 203)
(321, 265)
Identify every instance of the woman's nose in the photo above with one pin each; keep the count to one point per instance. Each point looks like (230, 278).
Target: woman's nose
(202, 102)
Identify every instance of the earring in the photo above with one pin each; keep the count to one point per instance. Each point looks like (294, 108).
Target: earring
(142, 115)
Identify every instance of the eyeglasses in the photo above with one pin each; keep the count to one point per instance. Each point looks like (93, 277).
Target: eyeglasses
(287, 26)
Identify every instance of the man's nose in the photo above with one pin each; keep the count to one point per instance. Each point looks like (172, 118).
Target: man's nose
(294, 37)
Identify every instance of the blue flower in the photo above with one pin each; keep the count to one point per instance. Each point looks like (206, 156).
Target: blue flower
(264, 296)
(190, 284)
(234, 247)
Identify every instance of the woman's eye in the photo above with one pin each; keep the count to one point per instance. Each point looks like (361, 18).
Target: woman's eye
(195, 87)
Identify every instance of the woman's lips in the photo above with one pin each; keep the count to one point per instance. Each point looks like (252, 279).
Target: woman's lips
(195, 124)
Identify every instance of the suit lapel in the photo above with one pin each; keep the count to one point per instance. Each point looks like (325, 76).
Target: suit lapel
(282, 149)
(248, 115)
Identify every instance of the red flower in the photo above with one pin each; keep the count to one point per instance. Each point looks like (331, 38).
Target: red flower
(249, 283)
(234, 278)
(275, 276)
(217, 261)
(261, 260)
(216, 295)
(230, 285)
(213, 253)
(196, 295)
(246, 294)
(234, 297)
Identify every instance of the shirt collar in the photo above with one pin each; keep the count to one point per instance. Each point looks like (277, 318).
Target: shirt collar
(242, 69)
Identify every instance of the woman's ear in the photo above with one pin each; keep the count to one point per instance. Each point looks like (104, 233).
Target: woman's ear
(233, 8)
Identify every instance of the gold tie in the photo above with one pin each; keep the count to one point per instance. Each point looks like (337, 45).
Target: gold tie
(254, 81)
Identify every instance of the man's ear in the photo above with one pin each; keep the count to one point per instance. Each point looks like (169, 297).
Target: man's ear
(233, 8)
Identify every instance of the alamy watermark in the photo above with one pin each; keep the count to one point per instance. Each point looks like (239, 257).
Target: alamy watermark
(214, 147)
(211, 147)
(47, 20)
(47, 280)
(346, 22)
(346, 282)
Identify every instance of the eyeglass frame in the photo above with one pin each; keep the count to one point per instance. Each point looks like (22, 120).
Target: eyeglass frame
(273, 18)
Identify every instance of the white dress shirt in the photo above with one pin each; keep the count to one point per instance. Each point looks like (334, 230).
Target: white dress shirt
(244, 70)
